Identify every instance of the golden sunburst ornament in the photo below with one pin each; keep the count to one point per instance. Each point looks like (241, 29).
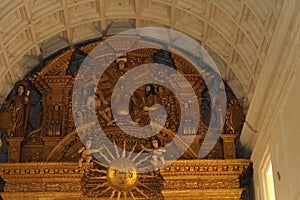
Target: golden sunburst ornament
(120, 178)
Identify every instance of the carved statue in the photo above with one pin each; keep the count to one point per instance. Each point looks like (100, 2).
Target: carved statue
(189, 126)
(147, 101)
(19, 105)
(102, 107)
(158, 158)
(217, 102)
(86, 153)
(119, 104)
(150, 97)
(161, 92)
(122, 65)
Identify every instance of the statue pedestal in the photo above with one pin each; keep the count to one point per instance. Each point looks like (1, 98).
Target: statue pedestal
(229, 145)
(14, 149)
(49, 144)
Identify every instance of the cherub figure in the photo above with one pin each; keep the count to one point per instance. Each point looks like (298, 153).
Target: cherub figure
(121, 65)
(86, 153)
(158, 158)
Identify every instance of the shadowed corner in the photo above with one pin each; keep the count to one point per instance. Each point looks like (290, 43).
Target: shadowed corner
(3, 148)
(2, 185)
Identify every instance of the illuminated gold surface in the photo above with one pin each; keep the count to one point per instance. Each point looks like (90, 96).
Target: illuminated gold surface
(122, 175)
(183, 179)
(61, 178)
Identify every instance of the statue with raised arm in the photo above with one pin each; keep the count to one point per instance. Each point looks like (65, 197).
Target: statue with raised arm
(19, 106)
(149, 99)
(86, 153)
(158, 158)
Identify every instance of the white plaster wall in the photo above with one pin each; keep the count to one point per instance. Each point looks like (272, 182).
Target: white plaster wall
(275, 110)
(285, 144)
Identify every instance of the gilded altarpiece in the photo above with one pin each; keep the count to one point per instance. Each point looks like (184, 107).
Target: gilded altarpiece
(49, 162)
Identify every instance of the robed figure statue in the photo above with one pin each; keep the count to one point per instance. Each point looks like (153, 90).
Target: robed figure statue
(19, 106)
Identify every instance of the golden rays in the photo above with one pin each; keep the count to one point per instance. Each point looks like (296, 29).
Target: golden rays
(120, 175)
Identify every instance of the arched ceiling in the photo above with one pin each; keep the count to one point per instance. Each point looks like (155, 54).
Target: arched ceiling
(236, 33)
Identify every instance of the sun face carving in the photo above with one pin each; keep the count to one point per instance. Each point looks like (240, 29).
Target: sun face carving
(120, 178)
(122, 175)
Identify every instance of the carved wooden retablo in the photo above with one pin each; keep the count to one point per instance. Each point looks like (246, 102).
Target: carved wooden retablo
(47, 158)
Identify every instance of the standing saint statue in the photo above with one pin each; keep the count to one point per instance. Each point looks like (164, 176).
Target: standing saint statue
(149, 99)
(19, 105)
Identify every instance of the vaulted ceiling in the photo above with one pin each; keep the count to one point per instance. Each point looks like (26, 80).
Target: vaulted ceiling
(236, 33)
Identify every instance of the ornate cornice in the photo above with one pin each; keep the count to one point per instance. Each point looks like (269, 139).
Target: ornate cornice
(40, 170)
(183, 179)
(182, 168)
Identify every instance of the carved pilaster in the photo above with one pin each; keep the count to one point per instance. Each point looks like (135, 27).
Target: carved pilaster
(14, 149)
(229, 145)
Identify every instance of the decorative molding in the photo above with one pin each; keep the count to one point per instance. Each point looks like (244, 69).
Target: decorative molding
(183, 179)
